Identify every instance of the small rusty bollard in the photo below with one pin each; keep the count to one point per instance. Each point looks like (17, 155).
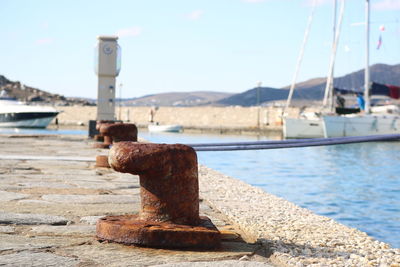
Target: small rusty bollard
(116, 132)
(99, 137)
(169, 191)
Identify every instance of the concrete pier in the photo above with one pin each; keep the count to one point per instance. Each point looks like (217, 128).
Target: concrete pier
(51, 196)
(49, 205)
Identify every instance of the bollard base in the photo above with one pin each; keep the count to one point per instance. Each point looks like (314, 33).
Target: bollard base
(129, 229)
(98, 138)
(102, 161)
(101, 145)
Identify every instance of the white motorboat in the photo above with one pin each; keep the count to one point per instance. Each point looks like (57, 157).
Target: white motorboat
(15, 114)
(174, 128)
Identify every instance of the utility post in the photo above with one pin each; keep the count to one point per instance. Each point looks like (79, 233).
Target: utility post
(107, 67)
(259, 84)
(120, 102)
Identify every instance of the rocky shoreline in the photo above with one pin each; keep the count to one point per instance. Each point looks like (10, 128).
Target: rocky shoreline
(293, 236)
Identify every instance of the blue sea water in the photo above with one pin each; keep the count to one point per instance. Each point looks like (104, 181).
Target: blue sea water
(356, 184)
(33, 131)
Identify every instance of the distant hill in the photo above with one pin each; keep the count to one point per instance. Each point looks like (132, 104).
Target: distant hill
(30, 94)
(177, 99)
(310, 90)
(4, 80)
(249, 98)
(380, 73)
(313, 89)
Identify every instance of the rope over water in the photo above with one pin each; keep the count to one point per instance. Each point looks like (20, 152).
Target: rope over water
(235, 146)
(258, 145)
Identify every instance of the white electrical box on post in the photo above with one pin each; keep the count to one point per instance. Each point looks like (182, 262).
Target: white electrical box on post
(107, 67)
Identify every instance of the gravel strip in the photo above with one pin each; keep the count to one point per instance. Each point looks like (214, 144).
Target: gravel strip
(294, 236)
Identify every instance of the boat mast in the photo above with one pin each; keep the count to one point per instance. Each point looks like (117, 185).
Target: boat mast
(328, 96)
(367, 77)
(327, 87)
(300, 58)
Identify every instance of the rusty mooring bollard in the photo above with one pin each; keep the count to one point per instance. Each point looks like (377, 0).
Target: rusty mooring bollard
(116, 132)
(169, 214)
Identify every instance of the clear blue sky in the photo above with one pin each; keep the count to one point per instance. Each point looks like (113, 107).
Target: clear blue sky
(186, 45)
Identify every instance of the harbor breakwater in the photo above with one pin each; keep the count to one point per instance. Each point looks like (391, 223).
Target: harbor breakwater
(206, 118)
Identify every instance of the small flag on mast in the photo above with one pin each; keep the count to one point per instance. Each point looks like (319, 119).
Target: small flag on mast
(381, 29)
(379, 42)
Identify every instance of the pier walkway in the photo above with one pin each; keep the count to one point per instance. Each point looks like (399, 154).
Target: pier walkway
(51, 196)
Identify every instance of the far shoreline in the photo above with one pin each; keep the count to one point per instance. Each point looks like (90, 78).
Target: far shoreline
(263, 121)
(275, 132)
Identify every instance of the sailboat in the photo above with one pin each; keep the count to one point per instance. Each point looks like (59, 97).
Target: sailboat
(369, 122)
(310, 125)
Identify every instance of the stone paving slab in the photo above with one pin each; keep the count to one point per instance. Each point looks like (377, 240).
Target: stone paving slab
(228, 263)
(10, 243)
(90, 219)
(90, 199)
(7, 229)
(120, 255)
(28, 258)
(81, 230)
(31, 219)
(68, 209)
(8, 196)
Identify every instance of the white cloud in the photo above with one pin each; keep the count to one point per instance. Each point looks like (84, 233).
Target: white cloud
(44, 41)
(387, 5)
(195, 15)
(129, 32)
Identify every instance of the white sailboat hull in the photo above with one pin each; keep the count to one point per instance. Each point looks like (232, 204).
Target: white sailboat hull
(361, 125)
(302, 128)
